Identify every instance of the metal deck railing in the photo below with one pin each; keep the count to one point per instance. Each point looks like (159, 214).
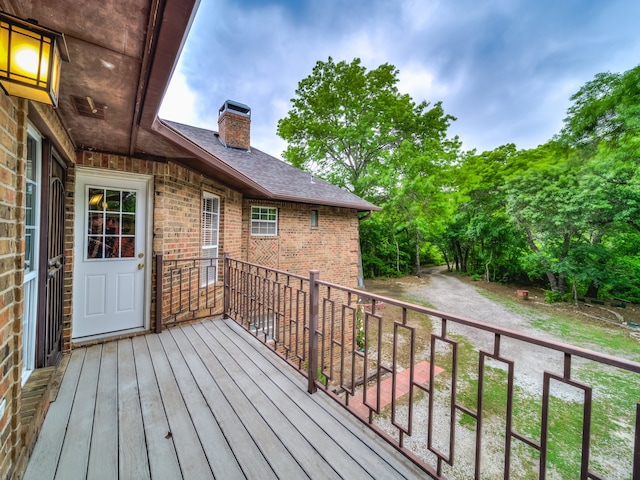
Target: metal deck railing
(460, 398)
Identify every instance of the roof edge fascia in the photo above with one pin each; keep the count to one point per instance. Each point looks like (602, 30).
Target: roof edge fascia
(165, 53)
(360, 208)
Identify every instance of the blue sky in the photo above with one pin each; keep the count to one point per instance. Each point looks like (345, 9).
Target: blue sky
(504, 68)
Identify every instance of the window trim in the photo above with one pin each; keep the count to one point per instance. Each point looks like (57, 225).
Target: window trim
(262, 221)
(205, 278)
(30, 278)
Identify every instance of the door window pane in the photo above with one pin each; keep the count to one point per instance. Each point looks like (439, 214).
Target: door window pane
(113, 200)
(96, 199)
(111, 223)
(129, 202)
(128, 224)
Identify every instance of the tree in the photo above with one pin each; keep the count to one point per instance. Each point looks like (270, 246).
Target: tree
(355, 129)
(347, 121)
(480, 238)
(603, 125)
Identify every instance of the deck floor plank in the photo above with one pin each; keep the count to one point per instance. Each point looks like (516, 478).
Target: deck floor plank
(193, 461)
(237, 436)
(279, 458)
(163, 460)
(201, 401)
(74, 457)
(132, 449)
(288, 396)
(214, 445)
(362, 442)
(46, 454)
(271, 405)
(103, 458)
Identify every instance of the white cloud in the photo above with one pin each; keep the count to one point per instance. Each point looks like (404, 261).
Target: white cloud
(180, 101)
(420, 83)
(505, 68)
(417, 14)
(366, 47)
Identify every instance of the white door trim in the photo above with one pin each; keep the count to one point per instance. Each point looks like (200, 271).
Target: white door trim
(87, 174)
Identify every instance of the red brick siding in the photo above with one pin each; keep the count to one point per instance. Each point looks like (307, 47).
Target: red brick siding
(235, 130)
(331, 248)
(12, 244)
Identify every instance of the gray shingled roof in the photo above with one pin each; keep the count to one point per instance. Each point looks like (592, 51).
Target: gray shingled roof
(280, 180)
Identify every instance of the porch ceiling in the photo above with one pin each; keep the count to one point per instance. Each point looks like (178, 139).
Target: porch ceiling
(121, 55)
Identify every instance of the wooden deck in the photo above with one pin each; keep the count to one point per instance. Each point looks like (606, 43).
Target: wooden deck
(197, 402)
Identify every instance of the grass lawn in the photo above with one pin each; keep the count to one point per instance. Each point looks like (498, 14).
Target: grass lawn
(615, 392)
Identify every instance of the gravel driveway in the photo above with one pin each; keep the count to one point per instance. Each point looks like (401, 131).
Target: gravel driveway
(448, 294)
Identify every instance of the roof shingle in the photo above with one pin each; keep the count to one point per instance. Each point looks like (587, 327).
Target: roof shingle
(281, 180)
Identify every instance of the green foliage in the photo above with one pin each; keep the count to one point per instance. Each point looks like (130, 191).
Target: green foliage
(552, 296)
(360, 338)
(346, 121)
(564, 214)
(385, 252)
(355, 129)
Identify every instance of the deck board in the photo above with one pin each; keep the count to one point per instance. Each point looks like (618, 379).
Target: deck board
(223, 461)
(164, 463)
(357, 440)
(103, 463)
(238, 436)
(74, 457)
(46, 454)
(192, 459)
(201, 401)
(286, 438)
(280, 460)
(132, 452)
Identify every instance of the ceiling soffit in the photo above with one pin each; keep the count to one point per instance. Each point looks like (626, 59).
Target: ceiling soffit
(113, 61)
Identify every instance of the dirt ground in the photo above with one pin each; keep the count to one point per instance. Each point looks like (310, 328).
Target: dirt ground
(631, 312)
(476, 300)
(397, 287)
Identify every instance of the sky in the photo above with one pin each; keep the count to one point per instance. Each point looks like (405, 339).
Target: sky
(506, 69)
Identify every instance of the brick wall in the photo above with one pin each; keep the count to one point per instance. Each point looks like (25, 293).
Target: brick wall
(331, 247)
(12, 187)
(235, 130)
(177, 213)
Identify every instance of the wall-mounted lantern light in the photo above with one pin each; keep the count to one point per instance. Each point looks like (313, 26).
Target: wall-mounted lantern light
(30, 58)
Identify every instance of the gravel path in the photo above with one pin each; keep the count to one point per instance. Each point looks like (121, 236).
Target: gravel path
(448, 294)
(451, 295)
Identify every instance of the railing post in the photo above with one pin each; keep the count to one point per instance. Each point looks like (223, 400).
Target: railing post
(636, 448)
(226, 265)
(314, 275)
(159, 293)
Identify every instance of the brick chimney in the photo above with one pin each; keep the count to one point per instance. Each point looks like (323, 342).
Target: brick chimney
(234, 125)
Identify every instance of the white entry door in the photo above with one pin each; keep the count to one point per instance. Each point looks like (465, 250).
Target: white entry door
(110, 268)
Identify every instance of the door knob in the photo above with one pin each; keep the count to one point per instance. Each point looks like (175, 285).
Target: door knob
(140, 266)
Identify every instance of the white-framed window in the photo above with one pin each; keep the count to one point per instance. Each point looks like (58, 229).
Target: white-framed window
(210, 234)
(32, 234)
(314, 218)
(264, 221)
